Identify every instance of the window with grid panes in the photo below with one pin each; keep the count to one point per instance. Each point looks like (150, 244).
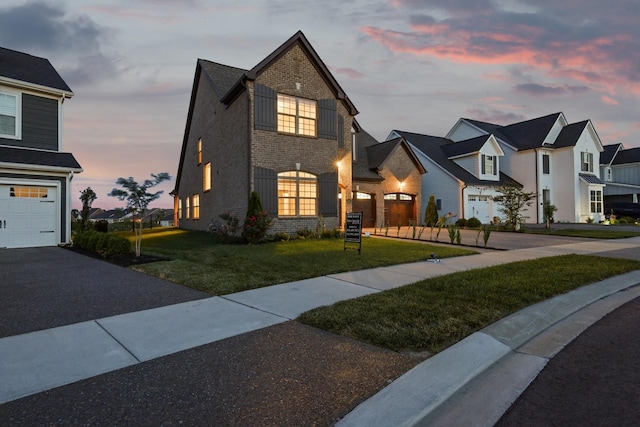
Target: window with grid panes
(297, 115)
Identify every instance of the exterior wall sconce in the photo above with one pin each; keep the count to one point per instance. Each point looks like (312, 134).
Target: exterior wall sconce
(297, 166)
(401, 185)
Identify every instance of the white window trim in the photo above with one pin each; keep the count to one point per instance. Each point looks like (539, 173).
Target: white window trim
(18, 97)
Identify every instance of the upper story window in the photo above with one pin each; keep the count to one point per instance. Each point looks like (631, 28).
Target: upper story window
(10, 111)
(607, 173)
(187, 207)
(297, 115)
(297, 194)
(206, 177)
(353, 145)
(179, 208)
(489, 165)
(199, 150)
(545, 164)
(586, 162)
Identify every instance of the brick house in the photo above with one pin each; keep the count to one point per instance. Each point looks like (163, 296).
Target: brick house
(284, 129)
(35, 173)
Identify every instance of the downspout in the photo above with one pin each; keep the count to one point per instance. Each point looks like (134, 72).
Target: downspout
(535, 150)
(464, 187)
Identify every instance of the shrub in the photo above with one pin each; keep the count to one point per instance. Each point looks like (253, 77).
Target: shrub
(281, 236)
(332, 234)
(473, 222)
(303, 233)
(431, 212)
(461, 222)
(105, 244)
(257, 222)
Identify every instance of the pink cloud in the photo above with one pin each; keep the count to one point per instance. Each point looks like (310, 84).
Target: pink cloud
(350, 72)
(609, 101)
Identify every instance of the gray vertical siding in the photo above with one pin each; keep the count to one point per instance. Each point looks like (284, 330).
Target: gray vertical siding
(39, 122)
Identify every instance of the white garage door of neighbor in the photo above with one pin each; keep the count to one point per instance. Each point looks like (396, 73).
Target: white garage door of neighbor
(479, 207)
(28, 216)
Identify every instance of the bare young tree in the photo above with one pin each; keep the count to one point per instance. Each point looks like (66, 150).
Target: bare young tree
(138, 199)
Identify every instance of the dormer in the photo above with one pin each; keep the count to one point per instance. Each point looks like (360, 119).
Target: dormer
(478, 156)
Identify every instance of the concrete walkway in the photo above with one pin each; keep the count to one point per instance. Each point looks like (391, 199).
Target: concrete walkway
(519, 345)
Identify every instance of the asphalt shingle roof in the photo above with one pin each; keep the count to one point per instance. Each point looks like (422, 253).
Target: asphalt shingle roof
(31, 69)
(609, 152)
(434, 148)
(361, 168)
(40, 158)
(631, 155)
(224, 77)
(523, 135)
(570, 134)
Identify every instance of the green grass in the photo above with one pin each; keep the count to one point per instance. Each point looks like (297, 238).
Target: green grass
(435, 313)
(201, 262)
(593, 234)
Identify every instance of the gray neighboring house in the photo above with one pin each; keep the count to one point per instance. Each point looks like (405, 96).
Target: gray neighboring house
(35, 172)
(620, 170)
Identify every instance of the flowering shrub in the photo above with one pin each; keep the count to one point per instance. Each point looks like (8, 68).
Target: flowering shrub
(255, 227)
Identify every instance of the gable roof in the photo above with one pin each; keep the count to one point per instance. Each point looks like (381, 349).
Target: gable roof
(631, 155)
(17, 67)
(38, 159)
(371, 156)
(434, 147)
(300, 40)
(465, 147)
(609, 153)
(360, 169)
(222, 77)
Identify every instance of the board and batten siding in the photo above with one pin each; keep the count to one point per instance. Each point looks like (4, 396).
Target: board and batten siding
(39, 122)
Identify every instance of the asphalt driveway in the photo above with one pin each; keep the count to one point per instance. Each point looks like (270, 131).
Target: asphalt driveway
(43, 288)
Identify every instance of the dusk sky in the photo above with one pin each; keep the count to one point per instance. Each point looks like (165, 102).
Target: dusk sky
(412, 65)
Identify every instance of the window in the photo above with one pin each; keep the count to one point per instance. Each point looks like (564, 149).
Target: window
(187, 209)
(196, 206)
(10, 108)
(296, 115)
(545, 164)
(297, 194)
(179, 208)
(199, 150)
(607, 173)
(586, 162)
(489, 165)
(29, 192)
(206, 177)
(596, 201)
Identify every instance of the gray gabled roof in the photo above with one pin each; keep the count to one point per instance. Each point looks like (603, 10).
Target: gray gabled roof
(522, 135)
(609, 153)
(631, 155)
(361, 169)
(591, 179)
(222, 77)
(434, 147)
(570, 134)
(30, 69)
(465, 147)
(45, 159)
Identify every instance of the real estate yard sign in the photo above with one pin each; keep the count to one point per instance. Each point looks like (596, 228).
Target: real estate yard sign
(353, 230)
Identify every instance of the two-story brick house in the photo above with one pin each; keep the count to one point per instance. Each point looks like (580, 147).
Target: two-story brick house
(35, 174)
(284, 129)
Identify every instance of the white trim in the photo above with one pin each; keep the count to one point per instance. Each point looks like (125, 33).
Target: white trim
(18, 97)
(19, 84)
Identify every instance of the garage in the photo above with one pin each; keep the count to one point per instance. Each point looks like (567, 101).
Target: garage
(365, 203)
(399, 208)
(28, 215)
(480, 207)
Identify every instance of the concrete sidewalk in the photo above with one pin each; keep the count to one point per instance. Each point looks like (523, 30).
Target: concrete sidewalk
(91, 348)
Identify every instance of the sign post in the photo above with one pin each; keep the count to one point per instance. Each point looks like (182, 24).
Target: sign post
(353, 230)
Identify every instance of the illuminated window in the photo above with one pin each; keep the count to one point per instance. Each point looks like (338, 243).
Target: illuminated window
(296, 115)
(206, 177)
(196, 206)
(545, 164)
(10, 111)
(199, 151)
(179, 208)
(29, 192)
(354, 149)
(297, 194)
(187, 208)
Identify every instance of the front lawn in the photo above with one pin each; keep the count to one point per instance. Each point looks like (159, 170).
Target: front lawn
(595, 233)
(433, 314)
(201, 262)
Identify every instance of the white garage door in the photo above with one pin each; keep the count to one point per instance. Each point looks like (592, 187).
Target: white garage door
(28, 216)
(479, 207)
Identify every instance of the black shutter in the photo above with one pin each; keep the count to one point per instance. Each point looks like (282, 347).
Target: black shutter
(328, 194)
(266, 185)
(482, 166)
(495, 165)
(265, 108)
(327, 109)
(340, 132)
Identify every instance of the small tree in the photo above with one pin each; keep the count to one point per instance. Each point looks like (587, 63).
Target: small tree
(431, 213)
(87, 197)
(548, 210)
(138, 199)
(257, 222)
(513, 200)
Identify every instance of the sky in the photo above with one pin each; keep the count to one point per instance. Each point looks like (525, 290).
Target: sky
(411, 65)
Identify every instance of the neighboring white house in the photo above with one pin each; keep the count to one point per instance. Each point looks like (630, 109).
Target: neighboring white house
(463, 176)
(557, 161)
(620, 170)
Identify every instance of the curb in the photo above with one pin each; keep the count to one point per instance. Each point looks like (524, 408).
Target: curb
(426, 392)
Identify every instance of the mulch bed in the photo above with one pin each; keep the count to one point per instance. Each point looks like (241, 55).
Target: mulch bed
(123, 260)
